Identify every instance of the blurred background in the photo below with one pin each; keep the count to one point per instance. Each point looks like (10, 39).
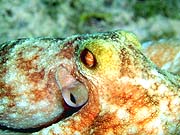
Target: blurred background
(148, 19)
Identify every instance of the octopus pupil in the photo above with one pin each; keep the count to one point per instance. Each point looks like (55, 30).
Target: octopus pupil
(72, 98)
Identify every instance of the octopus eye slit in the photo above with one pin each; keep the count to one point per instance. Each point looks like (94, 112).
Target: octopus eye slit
(74, 92)
(88, 59)
(72, 98)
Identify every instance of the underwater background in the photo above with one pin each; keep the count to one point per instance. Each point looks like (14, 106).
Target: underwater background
(122, 87)
(148, 19)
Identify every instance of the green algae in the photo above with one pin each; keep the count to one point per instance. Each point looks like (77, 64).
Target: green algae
(149, 20)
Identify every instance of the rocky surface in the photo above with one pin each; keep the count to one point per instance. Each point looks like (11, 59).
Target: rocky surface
(149, 20)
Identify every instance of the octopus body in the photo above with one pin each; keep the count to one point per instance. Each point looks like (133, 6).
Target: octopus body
(165, 54)
(99, 84)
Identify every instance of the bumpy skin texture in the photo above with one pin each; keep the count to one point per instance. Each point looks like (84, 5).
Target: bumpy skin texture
(128, 94)
(165, 54)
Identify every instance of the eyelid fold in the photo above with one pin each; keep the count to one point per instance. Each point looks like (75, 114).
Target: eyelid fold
(74, 93)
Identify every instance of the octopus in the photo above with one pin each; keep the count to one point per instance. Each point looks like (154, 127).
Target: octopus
(91, 84)
(165, 54)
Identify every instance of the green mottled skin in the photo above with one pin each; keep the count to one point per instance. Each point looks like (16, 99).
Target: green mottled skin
(128, 94)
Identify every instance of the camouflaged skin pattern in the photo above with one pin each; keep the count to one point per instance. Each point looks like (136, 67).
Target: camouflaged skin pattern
(127, 93)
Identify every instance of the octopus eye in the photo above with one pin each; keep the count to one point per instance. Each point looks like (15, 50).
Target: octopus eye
(74, 93)
(88, 58)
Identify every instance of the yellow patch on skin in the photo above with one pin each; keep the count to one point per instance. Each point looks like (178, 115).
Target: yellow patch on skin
(104, 52)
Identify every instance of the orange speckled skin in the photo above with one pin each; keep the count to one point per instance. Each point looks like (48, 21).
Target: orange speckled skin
(165, 54)
(128, 94)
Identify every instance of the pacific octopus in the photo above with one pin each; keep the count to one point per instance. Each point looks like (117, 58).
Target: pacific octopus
(101, 84)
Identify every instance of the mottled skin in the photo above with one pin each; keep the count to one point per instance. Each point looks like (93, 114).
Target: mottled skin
(128, 94)
(165, 54)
